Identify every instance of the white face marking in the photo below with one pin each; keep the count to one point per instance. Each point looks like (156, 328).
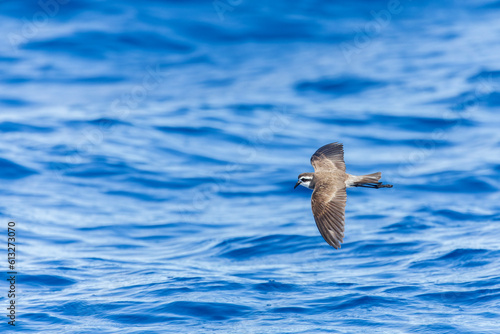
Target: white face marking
(305, 181)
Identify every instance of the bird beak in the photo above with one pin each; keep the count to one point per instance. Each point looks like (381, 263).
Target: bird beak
(297, 184)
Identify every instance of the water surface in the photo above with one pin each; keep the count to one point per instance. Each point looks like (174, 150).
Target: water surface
(149, 152)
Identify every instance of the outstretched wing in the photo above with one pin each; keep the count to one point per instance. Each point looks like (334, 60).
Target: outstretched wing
(328, 158)
(328, 206)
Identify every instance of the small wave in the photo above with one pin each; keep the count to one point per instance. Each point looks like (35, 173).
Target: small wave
(20, 127)
(204, 310)
(46, 280)
(459, 258)
(338, 86)
(11, 170)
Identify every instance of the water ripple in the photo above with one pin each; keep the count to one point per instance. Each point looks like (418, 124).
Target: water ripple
(149, 152)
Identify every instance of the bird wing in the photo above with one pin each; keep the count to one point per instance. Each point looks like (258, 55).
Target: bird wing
(328, 158)
(328, 206)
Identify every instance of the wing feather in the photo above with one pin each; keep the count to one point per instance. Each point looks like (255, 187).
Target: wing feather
(329, 157)
(328, 205)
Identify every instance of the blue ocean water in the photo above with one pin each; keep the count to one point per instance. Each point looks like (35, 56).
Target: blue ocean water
(149, 152)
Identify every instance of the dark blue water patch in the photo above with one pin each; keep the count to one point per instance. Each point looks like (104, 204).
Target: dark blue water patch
(219, 286)
(58, 264)
(365, 302)
(248, 192)
(459, 258)
(273, 286)
(460, 216)
(463, 298)
(356, 120)
(106, 123)
(438, 328)
(126, 246)
(420, 124)
(136, 195)
(340, 285)
(202, 132)
(485, 77)
(97, 171)
(101, 166)
(141, 318)
(223, 82)
(63, 150)
(269, 28)
(385, 248)
(454, 184)
(205, 186)
(53, 11)
(14, 102)
(408, 225)
(57, 78)
(154, 238)
(169, 292)
(170, 230)
(197, 286)
(45, 280)
(363, 323)
(422, 144)
(204, 310)
(249, 108)
(492, 99)
(470, 100)
(45, 317)
(411, 123)
(21, 127)
(11, 170)
(60, 240)
(194, 60)
(93, 80)
(465, 254)
(338, 86)
(292, 309)
(383, 262)
(492, 5)
(246, 248)
(455, 100)
(187, 279)
(189, 156)
(99, 45)
(403, 289)
(158, 184)
(112, 262)
(489, 315)
(66, 269)
(486, 296)
(16, 80)
(487, 281)
(369, 216)
(4, 59)
(85, 308)
(275, 28)
(324, 304)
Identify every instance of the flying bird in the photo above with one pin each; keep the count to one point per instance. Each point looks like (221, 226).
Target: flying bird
(329, 182)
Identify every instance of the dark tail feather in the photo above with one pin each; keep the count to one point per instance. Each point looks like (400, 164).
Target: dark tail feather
(373, 185)
(369, 178)
(371, 181)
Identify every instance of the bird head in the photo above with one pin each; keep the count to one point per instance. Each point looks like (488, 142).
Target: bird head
(305, 180)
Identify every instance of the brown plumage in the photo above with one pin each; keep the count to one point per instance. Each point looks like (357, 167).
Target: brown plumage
(329, 182)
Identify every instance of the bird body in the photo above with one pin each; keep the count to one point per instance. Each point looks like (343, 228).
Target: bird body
(329, 182)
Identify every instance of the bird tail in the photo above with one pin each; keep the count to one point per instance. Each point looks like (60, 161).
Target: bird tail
(368, 181)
